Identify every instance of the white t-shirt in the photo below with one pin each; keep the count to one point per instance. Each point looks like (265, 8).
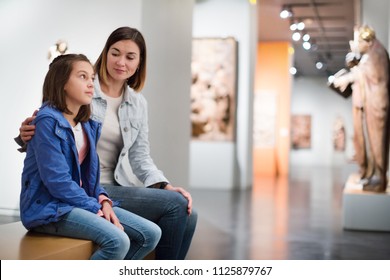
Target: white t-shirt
(110, 142)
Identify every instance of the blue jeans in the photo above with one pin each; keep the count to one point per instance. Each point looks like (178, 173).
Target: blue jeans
(167, 209)
(138, 239)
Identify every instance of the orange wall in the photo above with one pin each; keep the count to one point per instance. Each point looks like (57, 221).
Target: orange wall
(272, 75)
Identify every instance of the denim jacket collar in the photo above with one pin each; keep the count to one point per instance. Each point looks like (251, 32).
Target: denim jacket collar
(53, 112)
(98, 91)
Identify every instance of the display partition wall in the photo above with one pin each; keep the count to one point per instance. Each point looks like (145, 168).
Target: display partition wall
(273, 84)
(221, 149)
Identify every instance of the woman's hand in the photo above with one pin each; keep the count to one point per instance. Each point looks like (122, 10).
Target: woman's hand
(186, 194)
(27, 130)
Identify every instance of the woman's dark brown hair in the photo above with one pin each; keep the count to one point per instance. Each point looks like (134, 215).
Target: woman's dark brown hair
(55, 80)
(136, 81)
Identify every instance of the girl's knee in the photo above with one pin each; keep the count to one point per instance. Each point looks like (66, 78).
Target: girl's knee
(125, 242)
(154, 235)
(122, 244)
(113, 247)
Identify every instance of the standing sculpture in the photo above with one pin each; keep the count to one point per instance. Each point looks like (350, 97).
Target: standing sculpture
(368, 78)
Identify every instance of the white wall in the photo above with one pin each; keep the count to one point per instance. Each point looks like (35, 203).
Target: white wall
(228, 165)
(311, 96)
(29, 28)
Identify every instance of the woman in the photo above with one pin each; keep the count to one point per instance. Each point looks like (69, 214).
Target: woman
(119, 105)
(61, 194)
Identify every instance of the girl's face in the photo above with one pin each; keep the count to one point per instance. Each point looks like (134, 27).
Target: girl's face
(79, 87)
(123, 59)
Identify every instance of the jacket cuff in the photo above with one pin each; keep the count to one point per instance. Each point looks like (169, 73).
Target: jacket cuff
(103, 198)
(19, 141)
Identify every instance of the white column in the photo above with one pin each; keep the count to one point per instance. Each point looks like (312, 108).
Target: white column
(167, 27)
(375, 13)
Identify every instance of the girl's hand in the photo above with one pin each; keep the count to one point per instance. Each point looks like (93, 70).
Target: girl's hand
(109, 214)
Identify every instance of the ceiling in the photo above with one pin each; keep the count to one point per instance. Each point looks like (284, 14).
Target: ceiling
(328, 22)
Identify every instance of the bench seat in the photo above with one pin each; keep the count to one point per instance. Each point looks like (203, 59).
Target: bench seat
(17, 243)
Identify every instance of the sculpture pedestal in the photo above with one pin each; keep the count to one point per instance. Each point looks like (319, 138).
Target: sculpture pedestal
(363, 210)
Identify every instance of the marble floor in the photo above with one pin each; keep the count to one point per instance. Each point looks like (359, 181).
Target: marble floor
(295, 218)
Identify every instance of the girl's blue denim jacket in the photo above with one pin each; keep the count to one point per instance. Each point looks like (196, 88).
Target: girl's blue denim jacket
(52, 174)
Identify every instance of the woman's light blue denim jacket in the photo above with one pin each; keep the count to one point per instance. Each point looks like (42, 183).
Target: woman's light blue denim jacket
(52, 174)
(133, 121)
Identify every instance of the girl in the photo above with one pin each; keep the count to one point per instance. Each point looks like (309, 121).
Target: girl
(61, 194)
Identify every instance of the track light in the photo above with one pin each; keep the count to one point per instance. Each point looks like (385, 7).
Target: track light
(286, 12)
(301, 25)
(306, 37)
(319, 65)
(297, 25)
(306, 45)
(293, 71)
(296, 36)
(293, 26)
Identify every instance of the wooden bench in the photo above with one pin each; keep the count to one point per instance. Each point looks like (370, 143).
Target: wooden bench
(16, 243)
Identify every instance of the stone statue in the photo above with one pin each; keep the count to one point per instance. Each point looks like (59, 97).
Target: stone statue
(369, 77)
(60, 48)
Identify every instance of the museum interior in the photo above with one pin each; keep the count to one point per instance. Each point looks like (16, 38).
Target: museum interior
(242, 114)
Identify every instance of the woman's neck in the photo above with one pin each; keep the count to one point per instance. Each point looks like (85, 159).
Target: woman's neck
(112, 88)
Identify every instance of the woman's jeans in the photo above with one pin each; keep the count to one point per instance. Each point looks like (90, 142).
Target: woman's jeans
(168, 209)
(138, 239)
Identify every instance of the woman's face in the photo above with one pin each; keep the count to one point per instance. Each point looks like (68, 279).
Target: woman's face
(123, 59)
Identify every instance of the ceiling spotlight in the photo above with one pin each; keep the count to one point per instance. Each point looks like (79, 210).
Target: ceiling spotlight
(306, 45)
(286, 12)
(293, 70)
(306, 37)
(296, 36)
(293, 27)
(301, 25)
(319, 65)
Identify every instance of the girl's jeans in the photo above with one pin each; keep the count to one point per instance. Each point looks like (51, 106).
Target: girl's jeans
(139, 237)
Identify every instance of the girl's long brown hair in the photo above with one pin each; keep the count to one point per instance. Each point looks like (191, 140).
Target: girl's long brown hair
(55, 80)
